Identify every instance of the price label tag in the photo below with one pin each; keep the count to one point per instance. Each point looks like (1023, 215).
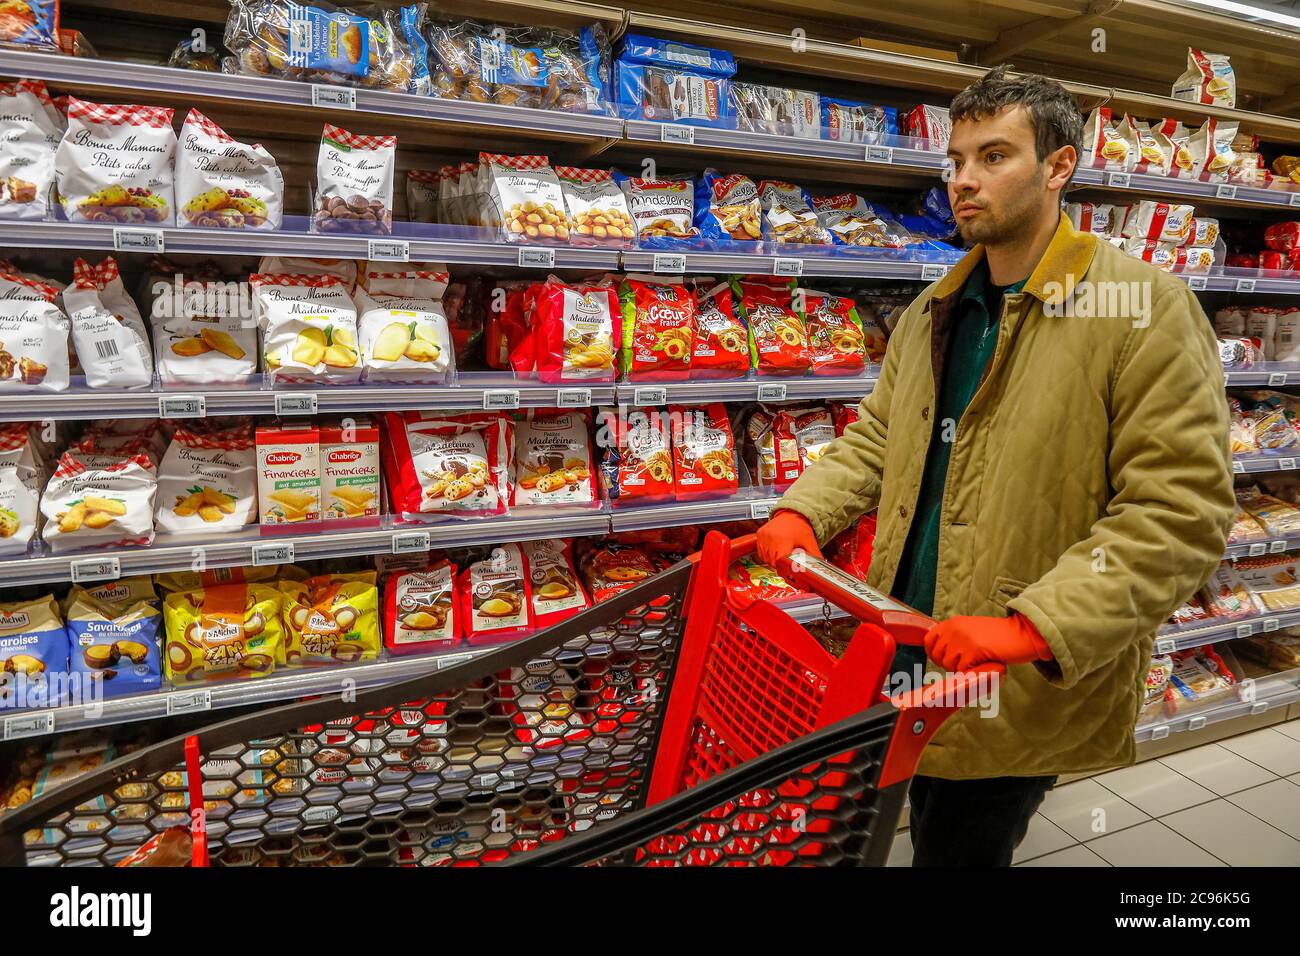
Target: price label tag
(1225, 192)
(501, 398)
(1120, 180)
(1245, 630)
(295, 403)
(1257, 549)
(787, 267)
(930, 273)
(1245, 285)
(1197, 283)
(1277, 378)
(537, 257)
(573, 397)
(1238, 467)
(1166, 645)
(1272, 624)
(389, 250)
(28, 725)
(1295, 199)
(771, 392)
(281, 552)
(668, 262)
(1195, 723)
(182, 406)
(1260, 707)
(880, 154)
(1276, 547)
(410, 542)
(137, 240)
(672, 133)
(1286, 464)
(760, 510)
(334, 97)
(188, 702)
(649, 395)
(1160, 732)
(96, 569)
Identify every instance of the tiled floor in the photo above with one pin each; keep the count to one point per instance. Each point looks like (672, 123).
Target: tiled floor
(1231, 803)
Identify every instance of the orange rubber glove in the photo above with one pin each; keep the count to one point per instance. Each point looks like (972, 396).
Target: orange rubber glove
(785, 531)
(962, 643)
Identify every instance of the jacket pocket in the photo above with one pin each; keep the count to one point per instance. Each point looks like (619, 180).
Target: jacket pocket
(1005, 588)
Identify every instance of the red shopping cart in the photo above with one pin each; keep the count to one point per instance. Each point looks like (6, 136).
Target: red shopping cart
(680, 723)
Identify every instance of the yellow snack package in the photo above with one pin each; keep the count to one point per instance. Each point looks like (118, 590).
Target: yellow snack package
(233, 630)
(331, 618)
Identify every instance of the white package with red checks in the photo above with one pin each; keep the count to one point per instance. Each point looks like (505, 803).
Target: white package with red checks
(107, 330)
(31, 127)
(100, 500)
(450, 464)
(33, 336)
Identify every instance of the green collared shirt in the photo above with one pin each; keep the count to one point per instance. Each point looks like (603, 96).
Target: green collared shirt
(971, 343)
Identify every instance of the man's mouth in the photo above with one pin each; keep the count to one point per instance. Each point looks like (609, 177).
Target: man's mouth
(968, 209)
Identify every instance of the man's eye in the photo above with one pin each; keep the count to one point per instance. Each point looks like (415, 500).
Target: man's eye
(994, 158)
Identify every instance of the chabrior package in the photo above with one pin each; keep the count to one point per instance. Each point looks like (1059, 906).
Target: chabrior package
(658, 328)
(33, 336)
(596, 207)
(207, 481)
(354, 183)
(495, 596)
(114, 164)
(727, 207)
(553, 463)
(309, 328)
(662, 209)
(556, 591)
(222, 183)
(420, 610)
(577, 331)
(100, 500)
(526, 199)
(115, 645)
(704, 452)
(331, 619)
(778, 334)
(350, 480)
(107, 330)
(404, 334)
(448, 463)
(638, 460)
(30, 128)
(720, 347)
(835, 334)
(228, 631)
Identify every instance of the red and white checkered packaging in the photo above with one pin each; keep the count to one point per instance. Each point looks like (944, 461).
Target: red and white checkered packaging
(100, 501)
(354, 183)
(930, 123)
(34, 330)
(114, 165)
(207, 482)
(309, 328)
(107, 330)
(524, 200)
(422, 187)
(31, 128)
(596, 207)
(224, 184)
(448, 464)
(20, 488)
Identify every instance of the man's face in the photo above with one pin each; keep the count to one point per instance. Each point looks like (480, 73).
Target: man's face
(999, 187)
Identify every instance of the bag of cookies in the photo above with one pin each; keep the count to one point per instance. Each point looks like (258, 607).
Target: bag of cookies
(107, 331)
(577, 331)
(114, 164)
(33, 645)
(835, 334)
(637, 462)
(614, 568)
(318, 42)
(597, 209)
(31, 128)
(225, 184)
(354, 183)
(200, 334)
(420, 612)
(33, 336)
(496, 597)
(1164, 221)
(330, 619)
(704, 452)
(658, 328)
(22, 474)
(309, 328)
(1211, 148)
(100, 501)
(778, 335)
(453, 464)
(114, 645)
(207, 480)
(788, 215)
(556, 591)
(526, 200)
(852, 221)
(672, 95)
(422, 192)
(1149, 155)
(1103, 146)
(222, 632)
(720, 346)
(552, 462)
(404, 333)
(663, 210)
(1209, 79)
(727, 207)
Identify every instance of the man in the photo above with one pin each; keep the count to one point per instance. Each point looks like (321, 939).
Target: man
(1048, 448)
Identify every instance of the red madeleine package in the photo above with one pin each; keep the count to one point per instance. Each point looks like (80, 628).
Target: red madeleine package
(448, 464)
(658, 326)
(496, 597)
(420, 610)
(704, 451)
(778, 335)
(834, 334)
(556, 591)
(508, 334)
(721, 346)
(578, 329)
(1282, 236)
(637, 461)
(614, 568)
(844, 415)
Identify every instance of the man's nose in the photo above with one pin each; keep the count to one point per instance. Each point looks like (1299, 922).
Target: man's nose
(964, 181)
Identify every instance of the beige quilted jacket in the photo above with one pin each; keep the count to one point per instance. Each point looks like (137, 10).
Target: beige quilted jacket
(1089, 488)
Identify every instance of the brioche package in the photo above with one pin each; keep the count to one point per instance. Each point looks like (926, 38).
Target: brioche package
(33, 643)
(309, 328)
(100, 501)
(454, 464)
(556, 592)
(207, 480)
(553, 463)
(658, 327)
(349, 457)
(330, 619)
(227, 631)
(720, 345)
(33, 336)
(637, 463)
(288, 473)
(31, 127)
(420, 612)
(597, 209)
(403, 326)
(526, 200)
(354, 183)
(114, 164)
(778, 335)
(577, 331)
(107, 331)
(225, 184)
(704, 451)
(113, 644)
(496, 596)
(1209, 79)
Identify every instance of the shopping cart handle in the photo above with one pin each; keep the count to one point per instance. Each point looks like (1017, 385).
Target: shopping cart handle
(859, 599)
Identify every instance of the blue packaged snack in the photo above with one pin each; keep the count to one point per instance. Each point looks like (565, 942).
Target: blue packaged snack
(334, 42)
(114, 644)
(592, 48)
(653, 51)
(727, 207)
(30, 23)
(673, 96)
(412, 20)
(851, 121)
(33, 654)
(500, 62)
(937, 204)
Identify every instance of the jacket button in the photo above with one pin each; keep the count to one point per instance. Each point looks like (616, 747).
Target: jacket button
(902, 511)
(925, 413)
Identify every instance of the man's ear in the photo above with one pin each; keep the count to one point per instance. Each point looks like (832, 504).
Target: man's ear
(1060, 167)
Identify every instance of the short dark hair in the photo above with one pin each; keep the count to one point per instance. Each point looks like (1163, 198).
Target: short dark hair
(1053, 112)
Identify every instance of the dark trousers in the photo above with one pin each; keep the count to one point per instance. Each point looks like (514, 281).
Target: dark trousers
(972, 822)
